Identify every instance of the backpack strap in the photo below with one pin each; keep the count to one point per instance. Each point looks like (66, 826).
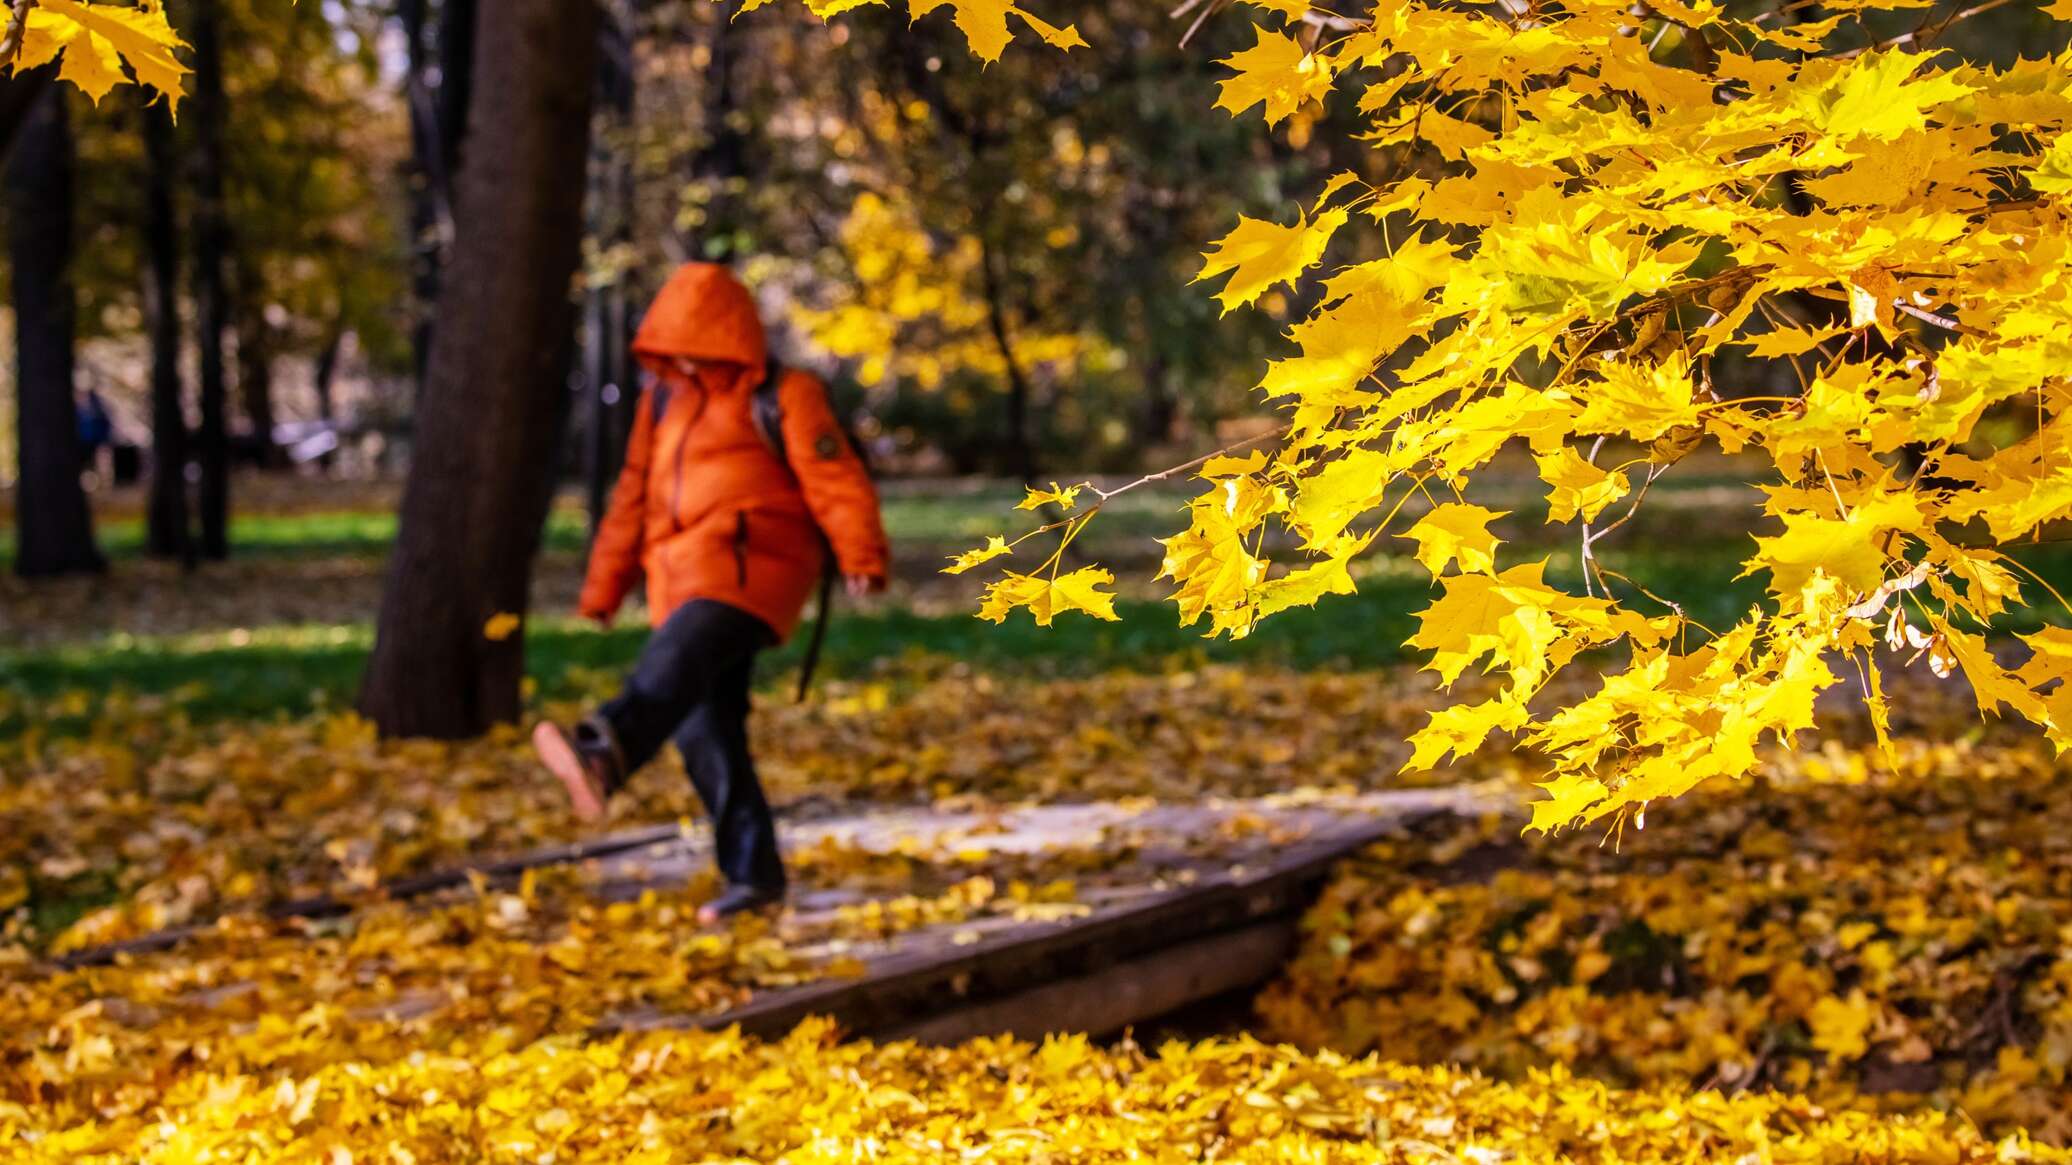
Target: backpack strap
(767, 409)
(658, 401)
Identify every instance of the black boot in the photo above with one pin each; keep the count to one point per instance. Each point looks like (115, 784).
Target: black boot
(741, 899)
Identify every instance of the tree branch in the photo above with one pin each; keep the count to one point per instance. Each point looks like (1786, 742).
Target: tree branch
(17, 26)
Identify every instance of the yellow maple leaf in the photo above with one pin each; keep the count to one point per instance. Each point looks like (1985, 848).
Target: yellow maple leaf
(1460, 730)
(500, 626)
(1304, 587)
(984, 25)
(1579, 486)
(1275, 72)
(1260, 254)
(1569, 796)
(1850, 549)
(96, 40)
(1876, 95)
(1063, 497)
(1840, 1025)
(995, 547)
(1046, 598)
(1456, 532)
(1334, 495)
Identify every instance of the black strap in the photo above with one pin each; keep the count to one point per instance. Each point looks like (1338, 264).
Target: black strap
(819, 636)
(658, 402)
(767, 409)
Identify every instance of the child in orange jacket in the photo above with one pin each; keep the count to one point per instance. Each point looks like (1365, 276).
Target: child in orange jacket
(730, 535)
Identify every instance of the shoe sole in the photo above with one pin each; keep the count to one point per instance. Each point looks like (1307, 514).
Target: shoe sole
(558, 753)
(769, 909)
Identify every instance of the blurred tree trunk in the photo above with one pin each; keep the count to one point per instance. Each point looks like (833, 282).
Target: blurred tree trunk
(211, 291)
(18, 94)
(1020, 445)
(721, 163)
(438, 127)
(54, 531)
(255, 352)
(167, 533)
(607, 366)
(482, 469)
(325, 380)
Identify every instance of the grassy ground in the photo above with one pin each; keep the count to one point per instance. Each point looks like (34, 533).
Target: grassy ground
(284, 628)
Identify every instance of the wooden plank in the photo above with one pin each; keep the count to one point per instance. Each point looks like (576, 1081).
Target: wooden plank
(326, 906)
(1119, 995)
(906, 986)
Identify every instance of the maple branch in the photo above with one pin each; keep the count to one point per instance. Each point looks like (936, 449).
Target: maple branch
(17, 27)
(1944, 322)
(1161, 475)
(1924, 33)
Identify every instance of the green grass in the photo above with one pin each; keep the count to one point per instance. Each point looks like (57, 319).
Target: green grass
(934, 513)
(1690, 554)
(288, 671)
(344, 533)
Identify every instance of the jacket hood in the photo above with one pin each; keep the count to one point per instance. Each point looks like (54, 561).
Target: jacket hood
(703, 313)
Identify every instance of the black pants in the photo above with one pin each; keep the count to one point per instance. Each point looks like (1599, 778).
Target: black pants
(691, 684)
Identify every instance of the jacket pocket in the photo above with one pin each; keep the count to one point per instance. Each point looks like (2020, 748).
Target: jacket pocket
(741, 549)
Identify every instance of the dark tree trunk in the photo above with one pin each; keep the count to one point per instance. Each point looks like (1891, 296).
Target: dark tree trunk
(255, 375)
(722, 162)
(438, 127)
(325, 380)
(456, 81)
(167, 533)
(18, 94)
(211, 292)
(1020, 446)
(54, 532)
(607, 365)
(481, 472)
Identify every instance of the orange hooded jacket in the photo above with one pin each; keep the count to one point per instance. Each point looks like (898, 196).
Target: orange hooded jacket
(704, 506)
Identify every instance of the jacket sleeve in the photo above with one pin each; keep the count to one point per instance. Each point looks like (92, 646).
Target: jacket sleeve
(838, 488)
(615, 553)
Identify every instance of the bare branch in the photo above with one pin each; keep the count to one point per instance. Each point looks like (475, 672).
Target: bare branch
(17, 26)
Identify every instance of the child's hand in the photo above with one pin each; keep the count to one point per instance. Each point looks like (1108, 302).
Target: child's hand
(864, 584)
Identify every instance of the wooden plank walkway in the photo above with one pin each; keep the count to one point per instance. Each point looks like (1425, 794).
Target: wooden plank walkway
(1204, 923)
(1205, 902)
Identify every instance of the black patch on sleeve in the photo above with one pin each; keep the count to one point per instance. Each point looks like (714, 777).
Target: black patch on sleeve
(827, 447)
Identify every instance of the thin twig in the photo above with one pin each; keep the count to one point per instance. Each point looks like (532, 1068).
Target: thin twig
(1161, 475)
(17, 27)
(1943, 322)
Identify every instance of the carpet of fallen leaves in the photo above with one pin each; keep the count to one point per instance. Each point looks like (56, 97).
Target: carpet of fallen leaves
(162, 823)
(1870, 934)
(1811, 932)
(657, 1098)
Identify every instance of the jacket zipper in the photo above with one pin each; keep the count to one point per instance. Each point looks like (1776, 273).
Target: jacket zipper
(741, 549)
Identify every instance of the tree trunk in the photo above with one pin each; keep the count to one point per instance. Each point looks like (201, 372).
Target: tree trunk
(481, 473)
(1020, 446)
(456, 81)
(18, 95)
(211, 292)
(167, 534)
(438, 126)
(607, 366)
(255, 373)
(325, 380)
(54, 531)
(721, 164)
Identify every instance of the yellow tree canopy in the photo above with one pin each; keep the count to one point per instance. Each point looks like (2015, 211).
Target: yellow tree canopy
(1608, 199)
